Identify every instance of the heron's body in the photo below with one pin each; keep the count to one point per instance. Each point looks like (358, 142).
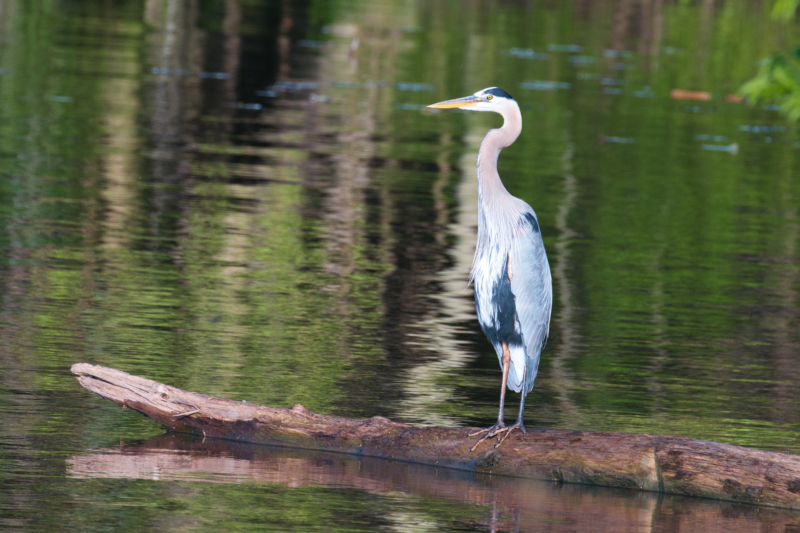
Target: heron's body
(513, 286)
(506, 312)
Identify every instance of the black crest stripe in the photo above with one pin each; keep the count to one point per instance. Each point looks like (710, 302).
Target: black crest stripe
(496, 91)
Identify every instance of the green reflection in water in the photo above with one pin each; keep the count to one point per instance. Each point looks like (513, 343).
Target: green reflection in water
(316, 251)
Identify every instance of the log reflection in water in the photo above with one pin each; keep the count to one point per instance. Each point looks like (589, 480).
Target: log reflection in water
(511, 503)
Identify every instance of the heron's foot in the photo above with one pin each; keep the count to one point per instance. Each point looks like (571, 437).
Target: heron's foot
(507, 431)
(497, 430)
(490, 432)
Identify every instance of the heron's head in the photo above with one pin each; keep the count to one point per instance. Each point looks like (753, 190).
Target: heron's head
(491, 99)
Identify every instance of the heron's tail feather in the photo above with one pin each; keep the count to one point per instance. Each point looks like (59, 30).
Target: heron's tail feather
(521, 365)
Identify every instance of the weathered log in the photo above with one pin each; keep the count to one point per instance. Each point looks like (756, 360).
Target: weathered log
(647, 462)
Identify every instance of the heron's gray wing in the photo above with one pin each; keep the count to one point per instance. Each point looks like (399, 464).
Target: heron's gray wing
(532, 286)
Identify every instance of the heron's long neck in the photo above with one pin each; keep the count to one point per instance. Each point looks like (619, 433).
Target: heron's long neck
(491, 192)
(497, 139)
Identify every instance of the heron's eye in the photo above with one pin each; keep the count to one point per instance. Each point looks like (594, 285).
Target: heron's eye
(489, 97)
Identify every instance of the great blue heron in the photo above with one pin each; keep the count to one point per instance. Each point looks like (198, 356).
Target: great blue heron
(513, 286)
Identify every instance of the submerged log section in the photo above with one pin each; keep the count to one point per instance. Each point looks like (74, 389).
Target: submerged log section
(647, 462)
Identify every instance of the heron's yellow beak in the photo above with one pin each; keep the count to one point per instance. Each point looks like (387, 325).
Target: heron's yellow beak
(467, 101)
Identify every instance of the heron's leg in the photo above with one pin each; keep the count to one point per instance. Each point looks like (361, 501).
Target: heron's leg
(500, 426)
(518, 424)
(521, 408)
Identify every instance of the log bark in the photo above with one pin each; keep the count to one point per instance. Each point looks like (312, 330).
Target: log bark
(674, 465)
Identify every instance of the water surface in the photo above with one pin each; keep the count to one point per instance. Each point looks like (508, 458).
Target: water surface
(245, 198)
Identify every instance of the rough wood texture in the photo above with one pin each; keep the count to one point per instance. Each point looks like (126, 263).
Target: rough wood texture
(647, 462)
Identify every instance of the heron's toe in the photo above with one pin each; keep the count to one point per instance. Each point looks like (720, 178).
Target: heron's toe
(508, 430)
(490, 432)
